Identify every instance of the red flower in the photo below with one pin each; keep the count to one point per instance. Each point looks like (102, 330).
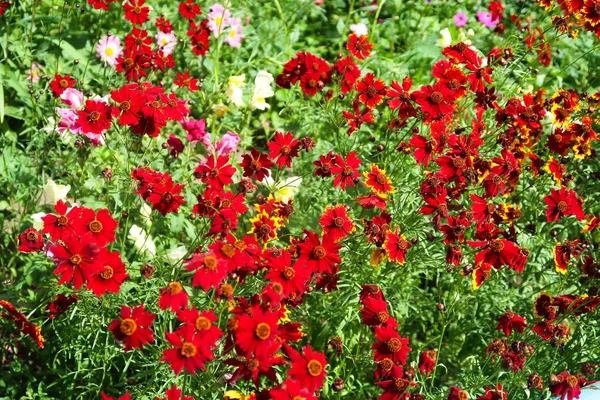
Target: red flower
(396, 387)
(494, 393)
(130, 103)
(124, 397)
(345, 170)
(210, 270)
(308, 367)
(60, 304)
(291, 390)
(457, 394)
(510, 321)
(372, 200)
(356, 120)
(113, 275)
(317, 255)
(455, 229)
(164, 25)
(563, 253)
(371, 91)
(396, 246)
(31, 241)
(497, 252)
(348, 72)
(97, 4)
(390, 345)
(216, 173)
(204, 322)
(400, 98)
(336, 222)
(191, 351)
(427, 361)
(324, 165)
(60, 84)
(265, 226)
(251, 368)
(135, 13)
(100, 225)
(134, 327)
(563, 203)
(293, 280)
(566, 385)
(21, 321)
(173, 296)
(95, 117)
(175, 393)
(375, 313)
(256, 165)
(359, 46)
(165, 198)
(481, 273)
(76, 260)
(377, 181)
(184, 80)
(285, 147)
(257, 331)
(189, 9)
(436, 101)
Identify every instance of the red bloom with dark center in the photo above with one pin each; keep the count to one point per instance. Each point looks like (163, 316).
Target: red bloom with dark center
(400, 98)
(563, 203)
(455, 229)
(60, 84)
(460, 53)
(377, 181)
(189, 9)
(316, 254)
(356, 120)
(496, 393)
(390, 345)
(396, 246)
(134, 327)
(290, 389)
(397, 386)
(216, 173)
(251, 368)
(359, 46)
(510, 321)
(427, 361)
(436, 101)
(566, 385)
(199, 37)
(563, 252)
(175, 394)
(190, 352)
(204, 322)
(257, 331)
(22, 323)
(97, 4)
(457, 393)
(76, 260)
(164, 25)
(256, 165)
(129, 105)
(308, 367)
(375, 313)
(113, 275)
(210, 270)
(184, 80)
(283, 147)
(346, 171)
(423, 149)
(292, 280)
(324, 165)
(497, 252)
(311, 83)
(165, 198)
(60, 304)
(481, 273)
(373, 200)
(371, 91)
(100, 225)
(175, 109)
(348, 72)
(337, 223)
(95, 117)
(134, 64)
(436, 203)
(31, 241)
(173, 296)
(135, 13)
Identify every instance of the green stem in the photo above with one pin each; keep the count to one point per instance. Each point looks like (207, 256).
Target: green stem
(285, 28)
(374, 24)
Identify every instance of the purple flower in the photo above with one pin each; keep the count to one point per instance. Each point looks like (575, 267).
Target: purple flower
(486, 19)
(227, 144)
(460, 19)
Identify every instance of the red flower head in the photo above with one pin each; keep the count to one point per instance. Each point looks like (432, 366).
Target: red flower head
(348, 72)
(165, 196)
(175, 393)
(375, 313)
(134, 327)
(129, 104)
(251, 368)
(371, 91)
(308, 367)
(337, 223)
(285, 147)
(563, 253)
(496, 393)
(498, 252)
(191, 350)
(400, 98)
(256, 165)
(396, 246)
(291, 390)
(324, 165)
(427, 361)
(60, 84)
(210, 270)
(113, 275)
(457, 394)
(510, 321)
(359, 46)
(60, 304)
(204, 322)
(216, 173)
(31, 241)
(563, 203)
(189, 10)
(257, 331)
(436, 101)
(292, 280)
(95, 117)
(346, 171)
(320, 255)
(99, 225)
(173, 296)
(372, 200)
(390, 345)
(481, 273)
(396, 387)
(566, 385)
(135, 13)
(21, 321)
(356, 120)
(184, 80)
(76, 260)
(124, 397)
(377, 181)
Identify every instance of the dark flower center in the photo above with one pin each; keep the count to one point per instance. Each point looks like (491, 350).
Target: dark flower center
(289, 273)
(125, 106)
(210, 263)
(496, 245)
(371, 91)
(265, 229)
(338, 221)
(107, 273)
(382, 316)
(314, 368)
(400, 385)
(94, 116)
(402, 244)
(32, 237)
(76, 259)
(203, 323)
(436, 97)
(381, 179)
(458, 162)
(319, 252)
(394, 345)
(262, 331)
(285, 150)
(63, 83)
(95, 226)
(252, 365)
(188, 350)
(572, 381)
(167, 197)
(174, 288)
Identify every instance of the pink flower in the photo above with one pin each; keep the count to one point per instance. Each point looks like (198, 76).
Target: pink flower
(228, 143)
(68, 120)
(108, 49)
(218, 19)
(166, 42)
(196, 130)
(359, 29)
(485, 18)
(460, 19)
(235, 36)
(33, 75)
(175, 146)
(72, 97)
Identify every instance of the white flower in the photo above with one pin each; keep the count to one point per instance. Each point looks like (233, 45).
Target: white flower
(284, 190)
(142, 241)
(54, 192)
(146, 213)
(359, 29)
(177, 253)
(37, 220)
(446, 39)
(262, 90)
(166, 42)
(234, 89)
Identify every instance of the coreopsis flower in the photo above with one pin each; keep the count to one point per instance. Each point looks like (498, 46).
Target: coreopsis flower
(377, 181)
(184, 80)
(563, 252)
(497, 252)
(427, 361)
(166, 198)
(100, 4)
(494, 393)
(563, 203)
(60, 304)
(436, 101)
(356, 120)
(135, 13)
(257, 331)
(375, 313)
(260, 364)
(336, 222)
(373, 200)
(262, 90)
(209, 270)
(189, 9)
(292, 279)
(460, 53)
(390, 345)
(21, 321)
(190, 352)
(396, 246)
(129, 105)
(318, 254)
(204, 322)
(95, 117)
(510, 321)
(76, 260)
(111, 277)
(455, 229)
(61, 83)
(175, 393)
(371, 91)
(100, 225)
(457, 393)
(359, 46)
(291, 389)
(345, 171)
(265, 226)
(400, 98)
(126, 396)
(216, 172)
(283, 147)
(397, 385)
(348, 72)
(308, 367)
(31, 241)
(481, 273)
(173, 296)
(134, 328)
(256, 165)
